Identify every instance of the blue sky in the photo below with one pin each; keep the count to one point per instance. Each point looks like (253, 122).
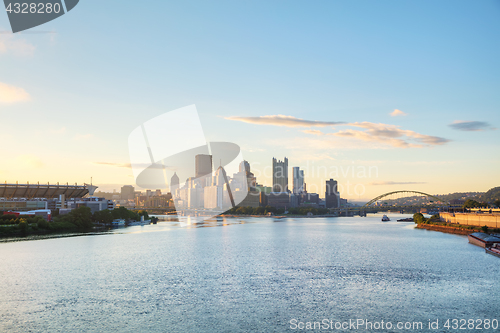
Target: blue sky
(108, 67)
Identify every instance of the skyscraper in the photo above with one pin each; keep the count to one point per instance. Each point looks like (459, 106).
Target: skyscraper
(174, 181)
(127, 192)
(280, 175)
(246, 177)
(219, 188)
(298, 180)
(332, 197)
(203, 165)
(244, 167)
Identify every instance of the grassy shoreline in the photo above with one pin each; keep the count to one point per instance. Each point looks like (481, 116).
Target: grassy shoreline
(447, 229)
(49, 235)
(453, 228)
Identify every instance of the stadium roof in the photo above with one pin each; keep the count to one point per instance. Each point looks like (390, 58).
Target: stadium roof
(48, 191)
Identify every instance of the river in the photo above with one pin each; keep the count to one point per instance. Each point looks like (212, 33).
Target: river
(247, 275)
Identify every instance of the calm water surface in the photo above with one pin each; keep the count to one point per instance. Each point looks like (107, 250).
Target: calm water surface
(245, 275)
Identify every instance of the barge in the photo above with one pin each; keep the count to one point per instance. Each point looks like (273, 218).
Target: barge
(494, 250)
(483, 240)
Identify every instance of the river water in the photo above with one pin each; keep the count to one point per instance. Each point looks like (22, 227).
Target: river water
(247, 275)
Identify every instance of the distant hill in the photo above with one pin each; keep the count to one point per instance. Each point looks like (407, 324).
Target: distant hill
(460, 195)
(491, 195)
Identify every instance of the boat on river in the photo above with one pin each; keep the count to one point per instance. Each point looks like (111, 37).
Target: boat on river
(385, 218)
(118, 223)
(494, 250)
(483, 240)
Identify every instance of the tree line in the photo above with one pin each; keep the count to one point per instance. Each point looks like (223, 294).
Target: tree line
(471, 203)
(79, 219)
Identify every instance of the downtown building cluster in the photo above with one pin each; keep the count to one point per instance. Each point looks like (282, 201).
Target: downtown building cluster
(217, 190)
(282, 197)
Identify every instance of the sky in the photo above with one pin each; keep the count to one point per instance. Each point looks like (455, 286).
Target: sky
(380, 95)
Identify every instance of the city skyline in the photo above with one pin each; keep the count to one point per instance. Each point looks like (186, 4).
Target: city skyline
(342, 91)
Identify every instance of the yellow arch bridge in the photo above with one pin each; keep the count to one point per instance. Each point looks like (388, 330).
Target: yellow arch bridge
(371, 202)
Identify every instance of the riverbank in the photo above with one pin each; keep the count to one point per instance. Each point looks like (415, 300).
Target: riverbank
(447, 229)
(450, 228)
(12, 238)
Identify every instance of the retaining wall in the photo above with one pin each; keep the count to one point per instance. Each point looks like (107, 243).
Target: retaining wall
(482, 219)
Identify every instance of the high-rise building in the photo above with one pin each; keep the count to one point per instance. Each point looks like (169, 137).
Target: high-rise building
(127, 192)
(244, 184)
(247, 175)
(332, 196)
(280, 175)
(214, 194)
(174, 181)
(298, 180)
(244, 167)
(203, 165)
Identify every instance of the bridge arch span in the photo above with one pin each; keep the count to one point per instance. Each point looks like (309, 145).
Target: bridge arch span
(372, 201)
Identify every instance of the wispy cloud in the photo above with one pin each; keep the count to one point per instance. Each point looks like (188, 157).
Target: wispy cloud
(397, 112)
(465, 125)
(394, 135)
(391, 135)
(287, 121)
(396, 183)
(315, 132)
(19, 47)
(10, 94)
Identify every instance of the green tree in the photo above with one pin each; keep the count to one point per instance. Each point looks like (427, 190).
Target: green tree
(259, 210)
(23, 226)
(120, 213)
(418, 218)
(103, 216)
(42, 224)
(8, 217)
(435, 218)
(470, 203)
(81, 217)
(145, 214)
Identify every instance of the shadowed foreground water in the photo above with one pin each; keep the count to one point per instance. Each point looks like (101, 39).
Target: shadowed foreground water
(253, 274)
